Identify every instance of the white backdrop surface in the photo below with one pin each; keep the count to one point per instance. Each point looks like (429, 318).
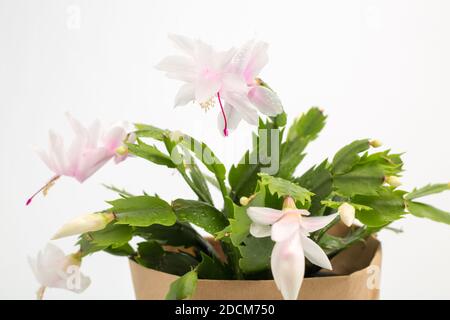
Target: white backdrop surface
(380, 69)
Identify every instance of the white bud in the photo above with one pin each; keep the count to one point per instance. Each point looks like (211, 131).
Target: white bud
(176, 136)
(375, 143)
(86, 223)
(244, 201)
(393, 181)
(347, 213)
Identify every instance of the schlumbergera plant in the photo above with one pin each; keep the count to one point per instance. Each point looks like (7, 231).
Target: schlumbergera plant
(271, 222)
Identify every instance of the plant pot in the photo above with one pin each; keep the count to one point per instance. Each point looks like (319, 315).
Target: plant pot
(356, 275)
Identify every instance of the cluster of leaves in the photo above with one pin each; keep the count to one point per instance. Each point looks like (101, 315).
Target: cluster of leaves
(169, 243)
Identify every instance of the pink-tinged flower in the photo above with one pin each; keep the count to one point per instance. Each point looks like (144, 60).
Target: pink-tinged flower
(290, 229)
(53, 269)
(250, 59)
(90, 150)
(207, 77)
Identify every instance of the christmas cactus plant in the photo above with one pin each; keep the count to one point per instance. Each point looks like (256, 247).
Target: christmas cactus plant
(270, 221)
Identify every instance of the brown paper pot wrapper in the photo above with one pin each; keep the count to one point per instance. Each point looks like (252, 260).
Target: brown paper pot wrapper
(356, 275)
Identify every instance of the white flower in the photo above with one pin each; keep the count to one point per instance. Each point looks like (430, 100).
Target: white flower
(89, 151)
(248, 62)
(53, 269)
(85, 223)
(290, 229)
(347, 213)
(207, 77)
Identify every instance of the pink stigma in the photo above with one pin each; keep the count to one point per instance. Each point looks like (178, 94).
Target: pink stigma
(225, 129)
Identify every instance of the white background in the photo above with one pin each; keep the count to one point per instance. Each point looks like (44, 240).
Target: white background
(380, 69)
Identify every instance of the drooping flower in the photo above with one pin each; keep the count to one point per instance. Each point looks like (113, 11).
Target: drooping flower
(90, 150)
(290, 229)
(53, 269)
(207, 77)
(85, 223)
(347, 213)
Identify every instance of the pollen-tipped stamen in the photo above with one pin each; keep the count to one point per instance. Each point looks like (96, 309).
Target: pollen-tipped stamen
(44, 189)
(225, 129)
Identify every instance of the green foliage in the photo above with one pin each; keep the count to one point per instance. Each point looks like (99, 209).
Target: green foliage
(423, 210)
(304, 130)
(150, 153)
(364, 179)
(284, 188)
(152, 255)
(319, 181)
(123, 251)
(427, 190)
(142, 211)
(212, 268)
(387, 206)
(112, 236)
(337, 204)
(355, 175)
(240, 224)
(148, 131)
(255, 254)
(201, 214)
(348, 156)
(243, 177)
(177, 235)
(184, 287)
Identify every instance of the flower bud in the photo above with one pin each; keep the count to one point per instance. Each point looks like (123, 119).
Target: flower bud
(244, 201)
(347, 214)
(393, 181)
(176, 136)
(375, 143)
(86, 223)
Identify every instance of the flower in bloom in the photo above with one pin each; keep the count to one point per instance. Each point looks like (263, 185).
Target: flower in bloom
(290, 229)
(248, 62)
(210, 76)
(89, 151)
(53, 269)
(85, 223)
(347, 213)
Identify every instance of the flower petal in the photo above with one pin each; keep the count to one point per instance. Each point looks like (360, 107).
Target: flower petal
(233, 118)
(56, 151)
(185, 94)
(207, 87)
(260, 230)
(311, 224)
(90, 161)
(258, 59)
(314, 253)
(242, 105)
(263, 215)
(265, 100)
(183, 43)
(179, 67)
(288, 266)
(285, 227)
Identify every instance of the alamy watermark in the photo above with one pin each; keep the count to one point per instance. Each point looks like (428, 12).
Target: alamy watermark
(265, 152)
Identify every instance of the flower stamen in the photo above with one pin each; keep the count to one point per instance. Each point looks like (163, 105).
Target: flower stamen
(44, 189)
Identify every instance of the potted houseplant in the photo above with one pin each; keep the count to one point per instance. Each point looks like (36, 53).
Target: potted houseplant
(274, 234)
